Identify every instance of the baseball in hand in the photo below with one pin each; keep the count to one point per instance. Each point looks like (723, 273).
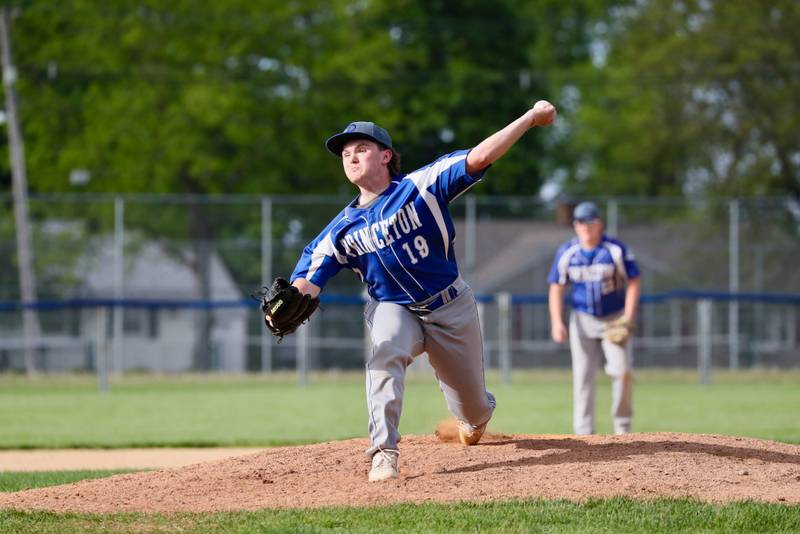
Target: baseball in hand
(544, 113)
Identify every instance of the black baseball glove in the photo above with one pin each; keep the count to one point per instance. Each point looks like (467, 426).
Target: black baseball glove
(284, 307)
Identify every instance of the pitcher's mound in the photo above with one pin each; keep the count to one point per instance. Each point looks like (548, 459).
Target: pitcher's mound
(706, 467)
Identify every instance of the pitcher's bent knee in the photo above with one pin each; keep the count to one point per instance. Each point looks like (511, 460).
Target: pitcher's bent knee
(478, 413)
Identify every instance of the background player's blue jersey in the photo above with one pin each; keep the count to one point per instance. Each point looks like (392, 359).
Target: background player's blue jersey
(598, 276)
(401, 245)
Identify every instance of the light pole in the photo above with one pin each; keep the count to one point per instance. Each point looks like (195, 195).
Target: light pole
(27, 280)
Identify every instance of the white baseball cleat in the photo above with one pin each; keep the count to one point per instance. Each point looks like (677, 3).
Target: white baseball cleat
(468, 434)
(384, 465)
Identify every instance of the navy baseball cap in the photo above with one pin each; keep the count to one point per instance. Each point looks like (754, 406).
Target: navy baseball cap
(358, 130)
(586, 211)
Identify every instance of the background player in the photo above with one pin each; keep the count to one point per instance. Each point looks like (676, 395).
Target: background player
(605, 295)
(397, 235)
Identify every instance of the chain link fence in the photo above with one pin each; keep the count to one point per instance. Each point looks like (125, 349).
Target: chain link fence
(162, 282)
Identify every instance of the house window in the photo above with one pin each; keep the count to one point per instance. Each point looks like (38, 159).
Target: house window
(54, 322)
(133, 321)
(141, 322)
(152, 322)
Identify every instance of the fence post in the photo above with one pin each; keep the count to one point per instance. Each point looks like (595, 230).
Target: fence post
(648, 313)
(266, 276)
(470, 234)
(675, 322)
(758, 286)
(101, 352)
(301, 355)
(733, 285)
(791, 328)
(612, 217)
(119, 262)
(704, 340)
(504, 335)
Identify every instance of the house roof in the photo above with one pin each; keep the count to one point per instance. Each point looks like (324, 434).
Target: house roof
(153, 272)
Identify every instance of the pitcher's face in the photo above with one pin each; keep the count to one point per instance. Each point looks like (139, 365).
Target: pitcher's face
(364, 160)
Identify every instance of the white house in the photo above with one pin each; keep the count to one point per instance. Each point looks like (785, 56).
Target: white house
(156, 337)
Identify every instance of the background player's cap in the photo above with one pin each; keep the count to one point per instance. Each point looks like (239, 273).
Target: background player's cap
(586, 211)
(358, 130)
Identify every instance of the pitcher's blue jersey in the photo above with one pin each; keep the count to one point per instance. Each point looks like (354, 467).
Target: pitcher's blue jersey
(401, 245)
(598, 276)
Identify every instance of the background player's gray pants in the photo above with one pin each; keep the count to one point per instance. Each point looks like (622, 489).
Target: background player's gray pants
(452, 338)
(588, 348)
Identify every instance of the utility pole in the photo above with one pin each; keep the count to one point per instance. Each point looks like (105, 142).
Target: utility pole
(16, 150)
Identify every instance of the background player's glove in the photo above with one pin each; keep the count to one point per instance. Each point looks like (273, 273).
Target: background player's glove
(285, 308)
(619, 330)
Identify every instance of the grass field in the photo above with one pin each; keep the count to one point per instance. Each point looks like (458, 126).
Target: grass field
(17, 481)
(610, 515)
(68, 411)
(148, 411)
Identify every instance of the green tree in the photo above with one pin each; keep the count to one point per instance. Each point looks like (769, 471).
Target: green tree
(190, 98)
(158, 100)
(464, 74)
(693, 96)
(205, 98)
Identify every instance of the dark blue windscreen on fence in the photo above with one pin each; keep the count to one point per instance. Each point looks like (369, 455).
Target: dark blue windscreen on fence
(655, 298)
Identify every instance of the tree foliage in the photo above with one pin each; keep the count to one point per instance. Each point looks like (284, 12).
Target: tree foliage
(197, 97)
(657, 97)
(693, 97)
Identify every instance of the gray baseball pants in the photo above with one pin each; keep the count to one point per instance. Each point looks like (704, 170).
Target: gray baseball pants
(588, 349)
(451, 336)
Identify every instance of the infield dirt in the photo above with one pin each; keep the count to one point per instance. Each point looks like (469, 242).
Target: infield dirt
(501, 467)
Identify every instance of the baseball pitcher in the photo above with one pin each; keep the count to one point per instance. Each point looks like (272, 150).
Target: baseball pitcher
(605, 295)
(397, 236)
